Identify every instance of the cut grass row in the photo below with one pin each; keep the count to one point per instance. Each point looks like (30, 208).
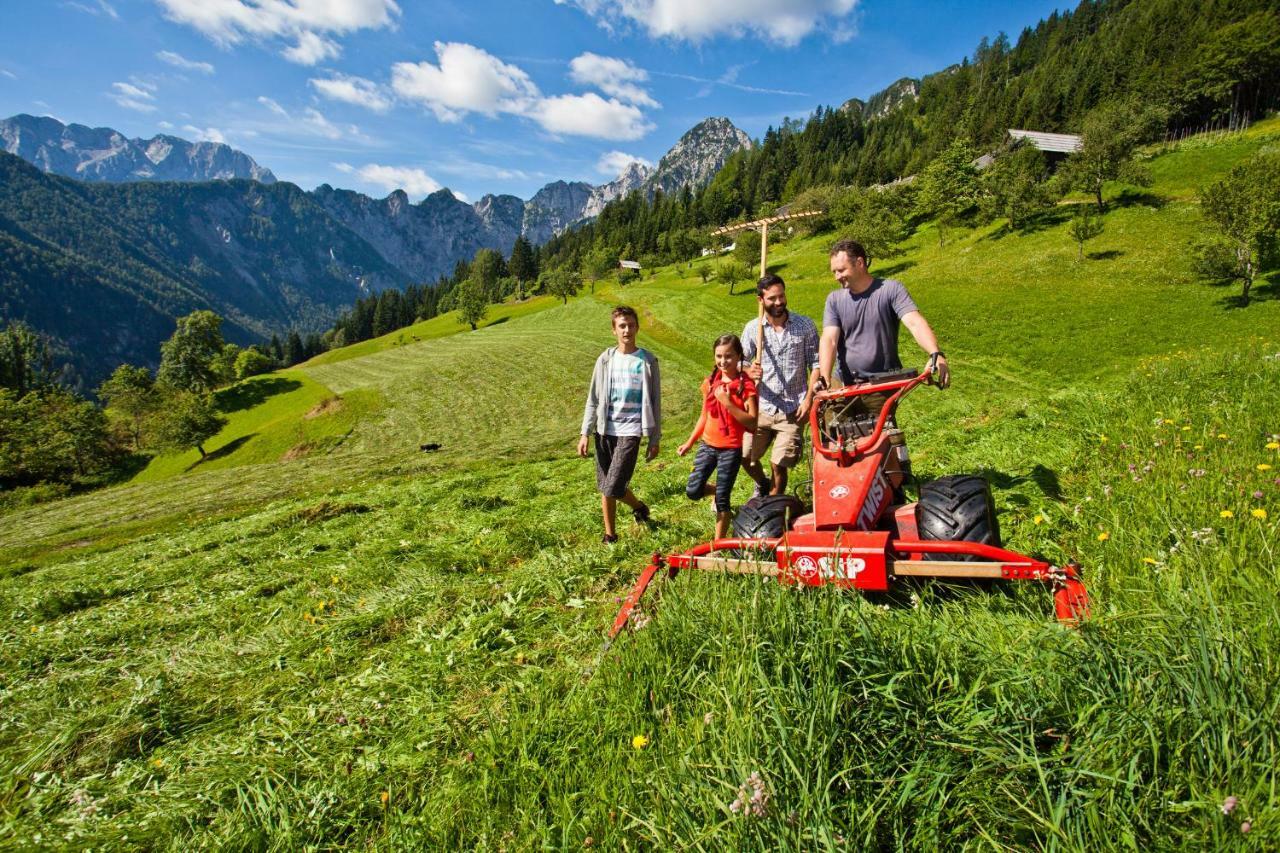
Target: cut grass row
(428, 639)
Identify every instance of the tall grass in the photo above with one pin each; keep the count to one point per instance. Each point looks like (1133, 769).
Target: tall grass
(367, 645)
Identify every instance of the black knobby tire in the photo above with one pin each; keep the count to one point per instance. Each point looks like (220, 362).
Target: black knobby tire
(766, 517)
(957, 507)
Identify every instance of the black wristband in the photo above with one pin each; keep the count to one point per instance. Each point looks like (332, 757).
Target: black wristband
(938, 354)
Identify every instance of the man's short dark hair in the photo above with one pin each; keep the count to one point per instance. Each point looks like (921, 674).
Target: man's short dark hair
(623, 311)
(767, 281)
(852, 248)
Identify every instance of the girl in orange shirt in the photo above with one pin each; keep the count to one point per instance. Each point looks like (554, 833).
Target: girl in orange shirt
(729, 406)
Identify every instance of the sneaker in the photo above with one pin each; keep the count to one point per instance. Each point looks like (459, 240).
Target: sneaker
(641, 513)
(609, 538)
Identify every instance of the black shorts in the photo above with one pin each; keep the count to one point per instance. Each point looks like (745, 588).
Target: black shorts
(616, 457)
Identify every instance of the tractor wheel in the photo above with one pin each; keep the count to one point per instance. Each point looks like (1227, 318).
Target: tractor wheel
(957, 507)
(766, 517)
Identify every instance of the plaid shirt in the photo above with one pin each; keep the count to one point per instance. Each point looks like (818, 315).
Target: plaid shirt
(789, 355)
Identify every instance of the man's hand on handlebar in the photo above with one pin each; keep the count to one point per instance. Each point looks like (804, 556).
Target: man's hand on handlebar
(941, 372)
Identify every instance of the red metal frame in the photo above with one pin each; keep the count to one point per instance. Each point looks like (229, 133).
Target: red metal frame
(856, 538)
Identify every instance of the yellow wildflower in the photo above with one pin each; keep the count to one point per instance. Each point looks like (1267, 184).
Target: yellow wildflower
(1199, 447)
(1104, 536)
(1102, 439)
(157, 763)
(1168, 420)
(639, 742)
(1264, 467)
(1187, 428)
(1226, 513)
(1039, 519)
(1150, 561)
(1273, 445)
(1222, 435)
(1259, 513)
(384, 796)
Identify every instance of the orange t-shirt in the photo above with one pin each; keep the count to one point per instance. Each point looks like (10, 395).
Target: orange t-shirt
(721, 430)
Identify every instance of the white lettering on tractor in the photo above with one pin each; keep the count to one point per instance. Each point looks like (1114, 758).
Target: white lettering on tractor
(871, 508)
(829, 568)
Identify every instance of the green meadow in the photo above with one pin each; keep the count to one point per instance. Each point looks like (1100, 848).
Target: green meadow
(323, 637)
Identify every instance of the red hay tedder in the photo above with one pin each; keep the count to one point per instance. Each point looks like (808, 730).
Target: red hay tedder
(861, 534)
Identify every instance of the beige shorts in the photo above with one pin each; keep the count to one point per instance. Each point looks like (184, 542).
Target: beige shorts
(787, 431)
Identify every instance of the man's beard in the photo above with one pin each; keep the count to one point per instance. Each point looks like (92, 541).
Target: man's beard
(776, 311)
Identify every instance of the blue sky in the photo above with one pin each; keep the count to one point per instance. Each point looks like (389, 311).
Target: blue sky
(481, 97)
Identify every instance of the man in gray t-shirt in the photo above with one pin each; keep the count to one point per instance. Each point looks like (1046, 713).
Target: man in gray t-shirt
(860, 322)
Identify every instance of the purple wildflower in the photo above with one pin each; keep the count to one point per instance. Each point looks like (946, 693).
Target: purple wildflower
(1229, 804)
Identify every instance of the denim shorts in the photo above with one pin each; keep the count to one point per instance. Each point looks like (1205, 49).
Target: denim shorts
(723, 462)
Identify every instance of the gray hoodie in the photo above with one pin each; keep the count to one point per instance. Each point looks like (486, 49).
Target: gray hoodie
(595, 416)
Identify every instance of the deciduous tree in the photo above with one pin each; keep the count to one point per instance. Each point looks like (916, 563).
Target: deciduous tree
(731, 271)
(1112, 133)
(560, 282)
(130, 393)
(1244, 208)
(472, 301)
(185, 419)
(1085, 225)
(187, 358)
(949, 187)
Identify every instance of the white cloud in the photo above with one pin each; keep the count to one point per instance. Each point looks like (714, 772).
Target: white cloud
(353, 90)
(312, 49)
(6, 73)
(164, 125)
(100, 7)
(479, 171)
(308, 23)
(614, 163)
(205, 134)
(177, 60)
(273, 106)
(137, 96)
(784, 21)
(311, 122)
(590, 115)
(412, 180)
(616, 77)
(467, 79)
(320, 125)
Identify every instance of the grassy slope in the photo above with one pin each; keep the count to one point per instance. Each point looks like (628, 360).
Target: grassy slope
(173, 675)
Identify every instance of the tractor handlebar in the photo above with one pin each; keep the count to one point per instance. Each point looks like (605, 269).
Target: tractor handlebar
(900, 387)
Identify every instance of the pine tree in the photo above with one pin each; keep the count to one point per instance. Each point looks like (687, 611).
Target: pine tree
(523, 265)
(293, 350)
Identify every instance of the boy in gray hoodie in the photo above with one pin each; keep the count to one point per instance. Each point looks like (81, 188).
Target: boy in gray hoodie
(624, 404)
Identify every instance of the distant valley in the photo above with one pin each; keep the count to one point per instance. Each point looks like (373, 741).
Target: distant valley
(105, 240)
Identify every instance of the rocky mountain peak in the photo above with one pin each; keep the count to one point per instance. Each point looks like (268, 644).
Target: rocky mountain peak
(106, 155)
(698, 155)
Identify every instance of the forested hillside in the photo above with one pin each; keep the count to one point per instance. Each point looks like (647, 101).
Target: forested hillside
(319, 635)
(104, 269)
(1196, 62)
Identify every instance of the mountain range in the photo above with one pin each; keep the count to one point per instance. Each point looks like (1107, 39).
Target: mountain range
(152, 229)
(103, 154)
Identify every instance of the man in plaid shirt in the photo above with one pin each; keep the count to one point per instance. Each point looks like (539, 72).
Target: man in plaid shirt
(785, 378)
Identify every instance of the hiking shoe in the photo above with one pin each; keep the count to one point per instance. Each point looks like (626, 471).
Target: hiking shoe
(641, 513)
(609, 538)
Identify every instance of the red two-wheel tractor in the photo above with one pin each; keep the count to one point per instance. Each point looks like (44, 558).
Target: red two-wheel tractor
(860, 533)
